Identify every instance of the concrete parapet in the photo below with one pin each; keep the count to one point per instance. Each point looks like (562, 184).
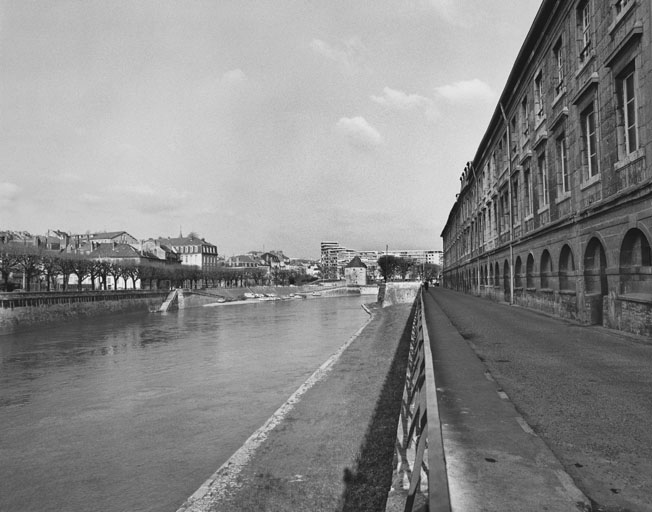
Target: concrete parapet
(400, 293)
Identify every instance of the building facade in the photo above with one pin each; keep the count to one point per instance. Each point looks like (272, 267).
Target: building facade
(194, 251)
(355, 272)
(555, 210)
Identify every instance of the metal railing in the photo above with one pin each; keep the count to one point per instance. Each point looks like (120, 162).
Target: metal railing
(421, 463)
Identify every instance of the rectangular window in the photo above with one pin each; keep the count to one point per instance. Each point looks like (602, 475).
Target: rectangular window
(515, 212)
(559, 67)
(584, 27)
(589, 142)
(504, 212)
(543, 181)
(627, 105)
(563, 176)
(512, 130)
(538, 96)
(525, 118)
(527, 190)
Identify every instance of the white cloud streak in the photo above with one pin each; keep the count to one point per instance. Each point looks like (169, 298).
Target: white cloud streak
(359, 132)
(346, 53)
(8, 193)
(234, 76)
(466, 92)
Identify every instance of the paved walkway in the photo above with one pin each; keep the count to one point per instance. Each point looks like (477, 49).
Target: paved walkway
(495, 461)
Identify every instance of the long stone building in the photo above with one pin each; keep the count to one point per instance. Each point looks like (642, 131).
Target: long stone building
(555, 210)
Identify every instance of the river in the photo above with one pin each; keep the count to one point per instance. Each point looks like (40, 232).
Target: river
(134, 412)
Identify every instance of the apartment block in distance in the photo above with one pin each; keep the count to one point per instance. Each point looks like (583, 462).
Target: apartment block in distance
(555, 209)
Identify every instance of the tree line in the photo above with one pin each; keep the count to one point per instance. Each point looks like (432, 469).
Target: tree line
(393, 267)
(55, 269)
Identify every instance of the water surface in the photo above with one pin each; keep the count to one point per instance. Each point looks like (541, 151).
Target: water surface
(134, 412)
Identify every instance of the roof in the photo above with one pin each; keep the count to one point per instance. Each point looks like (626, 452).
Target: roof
(243, 258)
(109, 234)
(118, 251)
(356, 263)
(184, 240)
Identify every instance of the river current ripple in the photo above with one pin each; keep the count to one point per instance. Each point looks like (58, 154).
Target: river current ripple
(134, 412)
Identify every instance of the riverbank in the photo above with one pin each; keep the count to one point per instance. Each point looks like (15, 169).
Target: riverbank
(331, 446)
(24, 311)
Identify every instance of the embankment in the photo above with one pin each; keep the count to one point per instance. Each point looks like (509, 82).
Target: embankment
(398, 293)
(19, 312)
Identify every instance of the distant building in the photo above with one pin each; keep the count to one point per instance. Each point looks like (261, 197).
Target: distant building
(355, 272)
(335, 258)
(194, 251)
(242, 261)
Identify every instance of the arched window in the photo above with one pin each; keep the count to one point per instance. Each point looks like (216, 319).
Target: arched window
(635, 263)
(566, 269)
(518, 273)
(529, 271)
(491, 274)
(497, 275)
(546, 269)
(595, 268)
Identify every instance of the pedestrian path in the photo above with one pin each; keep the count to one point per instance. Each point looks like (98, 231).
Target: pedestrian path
(495, 462)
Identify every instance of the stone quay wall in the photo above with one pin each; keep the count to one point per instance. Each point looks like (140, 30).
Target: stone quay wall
(19, 312)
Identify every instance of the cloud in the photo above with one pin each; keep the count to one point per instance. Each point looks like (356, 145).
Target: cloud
(234, 76)
(359, 132)
(8, 193)
(459, 13)
(67, 178)
(399, 100)
(346, 53)
(90, 198)
(467, 91)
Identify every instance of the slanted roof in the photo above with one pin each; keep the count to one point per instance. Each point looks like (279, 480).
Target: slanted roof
(108, 234)
(117, 251)
(356, 263)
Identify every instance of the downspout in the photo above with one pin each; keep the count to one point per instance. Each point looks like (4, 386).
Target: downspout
(511, 212)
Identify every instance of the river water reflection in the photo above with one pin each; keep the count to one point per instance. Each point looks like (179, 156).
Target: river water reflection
(133, 413)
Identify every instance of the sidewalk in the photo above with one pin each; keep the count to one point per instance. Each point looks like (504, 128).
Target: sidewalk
(495, 462)
(313, 458)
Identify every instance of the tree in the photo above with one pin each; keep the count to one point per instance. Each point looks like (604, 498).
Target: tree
(28, 261)
(7, 264)
(387, 265)
(66, 264)
(49, 268)
(403, 266)
(80, 268)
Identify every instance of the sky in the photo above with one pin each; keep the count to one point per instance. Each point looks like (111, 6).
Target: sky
(258, 125)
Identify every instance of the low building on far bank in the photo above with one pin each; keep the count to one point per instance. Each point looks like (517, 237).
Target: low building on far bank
(355, 272)
(194, 251)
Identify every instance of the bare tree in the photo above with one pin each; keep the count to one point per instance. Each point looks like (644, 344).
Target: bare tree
(8, 261)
